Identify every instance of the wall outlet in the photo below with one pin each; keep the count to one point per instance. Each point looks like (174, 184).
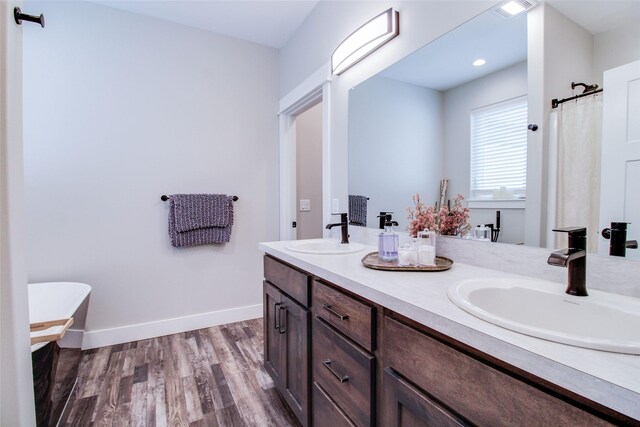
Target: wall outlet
(335, 205)
(305, 205)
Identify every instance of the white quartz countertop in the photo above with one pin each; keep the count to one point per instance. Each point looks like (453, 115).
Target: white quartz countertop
(611, 379)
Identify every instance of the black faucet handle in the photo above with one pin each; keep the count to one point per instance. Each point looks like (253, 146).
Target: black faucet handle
(572, 230)
(577, 236)
(622, 226)
(615, 226)
(343, 216)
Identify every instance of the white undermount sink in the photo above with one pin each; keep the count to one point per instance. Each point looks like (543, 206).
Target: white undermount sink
(324, 247)
(601, 321)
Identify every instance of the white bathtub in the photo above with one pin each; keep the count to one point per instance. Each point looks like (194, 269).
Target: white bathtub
(53, 301)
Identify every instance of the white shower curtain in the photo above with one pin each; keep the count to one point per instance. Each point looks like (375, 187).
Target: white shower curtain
(578, 174)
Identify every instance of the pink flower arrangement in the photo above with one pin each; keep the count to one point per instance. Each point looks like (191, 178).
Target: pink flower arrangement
(445, 221)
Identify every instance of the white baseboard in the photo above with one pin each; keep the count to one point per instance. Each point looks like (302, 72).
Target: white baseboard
(105, 337)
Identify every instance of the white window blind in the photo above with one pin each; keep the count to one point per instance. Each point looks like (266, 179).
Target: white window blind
(499, 150)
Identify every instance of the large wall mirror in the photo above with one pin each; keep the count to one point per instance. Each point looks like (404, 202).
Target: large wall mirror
(410, 125)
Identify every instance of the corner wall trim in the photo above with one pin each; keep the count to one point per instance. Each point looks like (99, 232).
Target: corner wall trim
(140, 331)
(72, 339)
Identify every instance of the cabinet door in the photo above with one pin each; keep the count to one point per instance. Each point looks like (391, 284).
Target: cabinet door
(272, 341)
(405, 406)
(295, 353)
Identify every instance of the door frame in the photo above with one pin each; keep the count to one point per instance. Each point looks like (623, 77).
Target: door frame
(315, 89)
(16, 388)
(615, 107)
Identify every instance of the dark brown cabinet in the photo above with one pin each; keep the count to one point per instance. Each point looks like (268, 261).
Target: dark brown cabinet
(343, 338)
(326, 412)
(465, 387)
(294, 381)
(358, 364)
(287, 341)
(403, 405)
(272, 299)
(345, 372)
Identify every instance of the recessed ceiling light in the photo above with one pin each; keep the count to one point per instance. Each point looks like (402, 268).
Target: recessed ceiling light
(512, 8)
(479, 62)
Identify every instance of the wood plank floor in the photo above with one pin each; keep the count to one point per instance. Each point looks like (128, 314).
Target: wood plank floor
(209, 377)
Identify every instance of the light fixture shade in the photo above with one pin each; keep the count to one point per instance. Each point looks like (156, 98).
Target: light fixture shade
(365, 40)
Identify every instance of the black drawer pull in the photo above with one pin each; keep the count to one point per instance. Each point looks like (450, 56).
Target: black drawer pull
(335, 313)
(283, 327)
(276, 315)
(341, 378)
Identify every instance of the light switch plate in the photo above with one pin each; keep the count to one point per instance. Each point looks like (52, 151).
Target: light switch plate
(305, 205)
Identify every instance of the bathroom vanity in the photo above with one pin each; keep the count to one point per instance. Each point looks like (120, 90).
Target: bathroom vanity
(349, 346)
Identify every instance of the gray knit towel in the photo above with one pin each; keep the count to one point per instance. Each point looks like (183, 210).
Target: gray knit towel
(358, 210)
(194, 211)
(200, 219)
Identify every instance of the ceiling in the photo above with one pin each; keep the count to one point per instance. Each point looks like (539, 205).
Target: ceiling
(273, 22)
(598, 16)
(266, 22)
(446, 62)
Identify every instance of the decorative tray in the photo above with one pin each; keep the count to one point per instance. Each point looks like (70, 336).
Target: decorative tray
(372, 261)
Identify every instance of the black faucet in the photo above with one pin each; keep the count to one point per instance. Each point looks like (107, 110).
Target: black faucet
(386, 218)
(345, 227)
(383, 219)
(574, 258)
(618, 235)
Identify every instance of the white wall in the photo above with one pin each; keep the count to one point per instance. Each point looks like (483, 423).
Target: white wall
(458, 103)
(120, 109)
(330, 23)
(309, 172)
(497, 87)
(395, 146)
(615, 48)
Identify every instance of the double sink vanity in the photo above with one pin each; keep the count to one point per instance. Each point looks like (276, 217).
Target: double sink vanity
(350, 346)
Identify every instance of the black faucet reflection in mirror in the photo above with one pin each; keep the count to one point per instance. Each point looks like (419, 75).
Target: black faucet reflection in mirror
(344, 223)
(618, 236)
(574, 258)
(384, 217)
(381, 218)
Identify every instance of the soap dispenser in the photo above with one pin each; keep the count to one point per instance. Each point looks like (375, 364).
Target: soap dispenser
(388, 241)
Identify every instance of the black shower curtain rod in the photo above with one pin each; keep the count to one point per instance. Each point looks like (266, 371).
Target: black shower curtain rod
(555, 102)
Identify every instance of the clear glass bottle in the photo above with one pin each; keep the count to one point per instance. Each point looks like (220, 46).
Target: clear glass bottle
(427, 247)
(388, 243)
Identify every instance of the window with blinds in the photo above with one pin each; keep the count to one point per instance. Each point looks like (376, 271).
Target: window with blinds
(499, 150)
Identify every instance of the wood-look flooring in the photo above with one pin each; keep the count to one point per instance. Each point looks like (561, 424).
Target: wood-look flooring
(209, 377)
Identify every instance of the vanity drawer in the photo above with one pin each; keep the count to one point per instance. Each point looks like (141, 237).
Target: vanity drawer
(344, 371)
(326, 413)
(471, 388)
(350, 316)
(289, 280)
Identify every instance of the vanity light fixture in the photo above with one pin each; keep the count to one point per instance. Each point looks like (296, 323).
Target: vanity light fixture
(511, 8)
(478, 62)
(365, 40)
